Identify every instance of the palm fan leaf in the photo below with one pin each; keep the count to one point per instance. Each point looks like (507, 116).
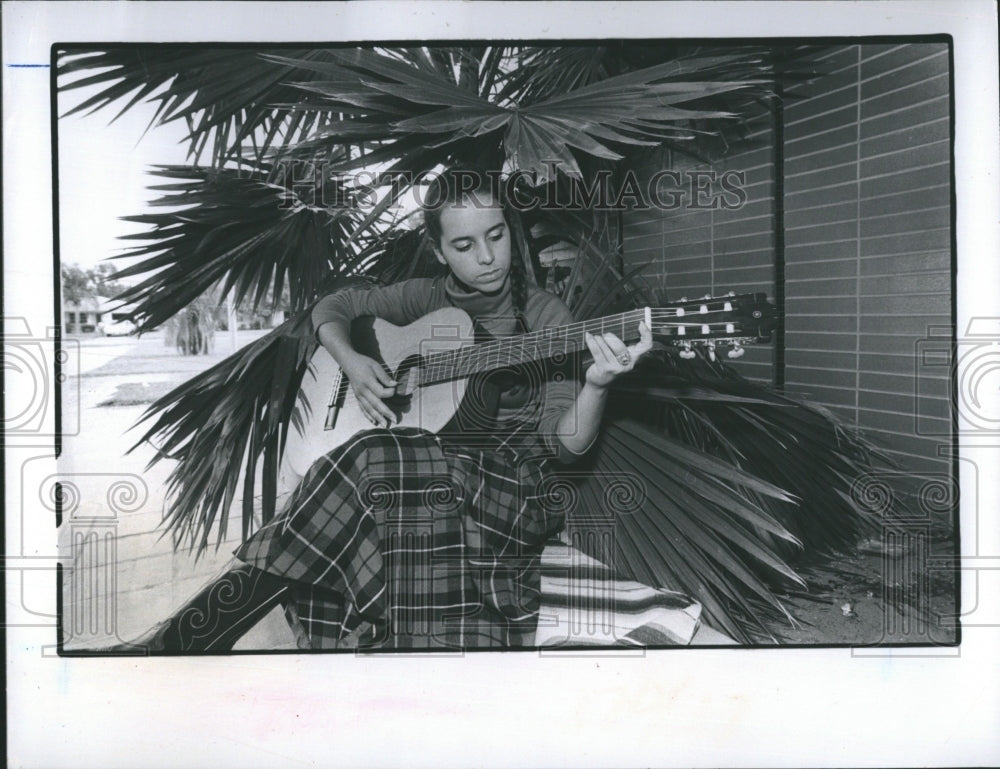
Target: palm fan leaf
(231, 94)
(545, 71)
(224, 422)
(232, 420)
(755, 485)
(252, 234)
(790, 443)
(706, 527)
(410, 98)
(689, 526)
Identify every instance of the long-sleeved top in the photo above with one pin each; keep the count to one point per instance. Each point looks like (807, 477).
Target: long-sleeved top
(404, 302)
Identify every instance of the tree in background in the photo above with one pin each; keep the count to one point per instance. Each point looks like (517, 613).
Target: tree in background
(192, 330)
(79, 283)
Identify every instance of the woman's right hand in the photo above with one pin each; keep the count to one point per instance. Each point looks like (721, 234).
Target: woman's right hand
(371, 384)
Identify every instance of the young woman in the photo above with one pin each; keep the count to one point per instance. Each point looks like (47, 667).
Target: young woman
(400, 539)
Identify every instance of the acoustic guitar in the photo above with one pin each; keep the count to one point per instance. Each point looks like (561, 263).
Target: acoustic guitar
(433, 359)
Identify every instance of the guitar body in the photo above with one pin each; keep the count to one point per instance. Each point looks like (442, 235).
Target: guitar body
(325, 392)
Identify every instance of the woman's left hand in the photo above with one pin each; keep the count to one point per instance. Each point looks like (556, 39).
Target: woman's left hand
(612, 357)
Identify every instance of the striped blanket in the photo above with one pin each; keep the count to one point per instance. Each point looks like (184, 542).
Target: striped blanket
(583, 604)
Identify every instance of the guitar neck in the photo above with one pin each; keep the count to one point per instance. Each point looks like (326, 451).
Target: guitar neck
(707, 321)
(510, 351)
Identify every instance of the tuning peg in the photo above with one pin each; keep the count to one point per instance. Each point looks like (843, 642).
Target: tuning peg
(710, 346)
(736, 350)
(731, 293)
(683, 299)
(703, 309)
(686, 352)
(707, 296)
(680, 312)
(727, 307)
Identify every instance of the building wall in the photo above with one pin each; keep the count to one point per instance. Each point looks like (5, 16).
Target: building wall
(868, 242)
(865, 247)
(714, 240)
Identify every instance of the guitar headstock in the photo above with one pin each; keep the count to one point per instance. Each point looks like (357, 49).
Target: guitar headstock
(733, 319)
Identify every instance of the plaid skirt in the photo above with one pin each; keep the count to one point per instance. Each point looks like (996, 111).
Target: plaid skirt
(399, 540)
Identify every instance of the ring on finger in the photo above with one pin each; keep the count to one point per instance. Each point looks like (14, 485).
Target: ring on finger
(624, 358)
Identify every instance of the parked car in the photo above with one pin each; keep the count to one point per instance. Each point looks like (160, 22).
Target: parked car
(117, 328)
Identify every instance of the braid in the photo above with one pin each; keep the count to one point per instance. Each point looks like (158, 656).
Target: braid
(518, 283)
(519, 250)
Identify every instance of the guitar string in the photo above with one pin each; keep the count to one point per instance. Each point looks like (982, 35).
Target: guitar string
(445, 363)
(563, 332)
(513, 348)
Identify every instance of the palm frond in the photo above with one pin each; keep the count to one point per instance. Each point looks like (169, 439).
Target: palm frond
(757, 539)
(219, 427)
(231, 96)
(231, 421)
(701, 438)
(252, 234)
(545, 71)
(691, 526)
(390, 99)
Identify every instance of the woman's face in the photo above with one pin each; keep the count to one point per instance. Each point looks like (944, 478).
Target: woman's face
(475, 242)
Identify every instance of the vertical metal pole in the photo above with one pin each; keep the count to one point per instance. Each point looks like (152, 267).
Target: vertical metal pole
(232, 320)
(779, 235)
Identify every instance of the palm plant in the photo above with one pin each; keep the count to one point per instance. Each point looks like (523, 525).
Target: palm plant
(276, 126)
(192, 330)
(732, 491)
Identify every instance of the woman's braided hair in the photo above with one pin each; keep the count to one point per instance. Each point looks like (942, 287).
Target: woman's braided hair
(454, 185)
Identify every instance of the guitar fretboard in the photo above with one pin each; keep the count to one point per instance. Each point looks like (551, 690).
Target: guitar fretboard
(743, 318)
(526, 348)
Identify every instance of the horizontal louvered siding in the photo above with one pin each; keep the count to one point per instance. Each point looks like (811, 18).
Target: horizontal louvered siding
(692, 251)
(868, 238)
(867, 242)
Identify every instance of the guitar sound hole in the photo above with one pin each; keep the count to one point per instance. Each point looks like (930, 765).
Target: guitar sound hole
(400, 404)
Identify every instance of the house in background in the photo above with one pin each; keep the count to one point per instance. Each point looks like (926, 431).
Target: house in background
(90, 314)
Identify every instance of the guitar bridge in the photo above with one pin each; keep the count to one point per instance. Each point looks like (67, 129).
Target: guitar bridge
(335, 401)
